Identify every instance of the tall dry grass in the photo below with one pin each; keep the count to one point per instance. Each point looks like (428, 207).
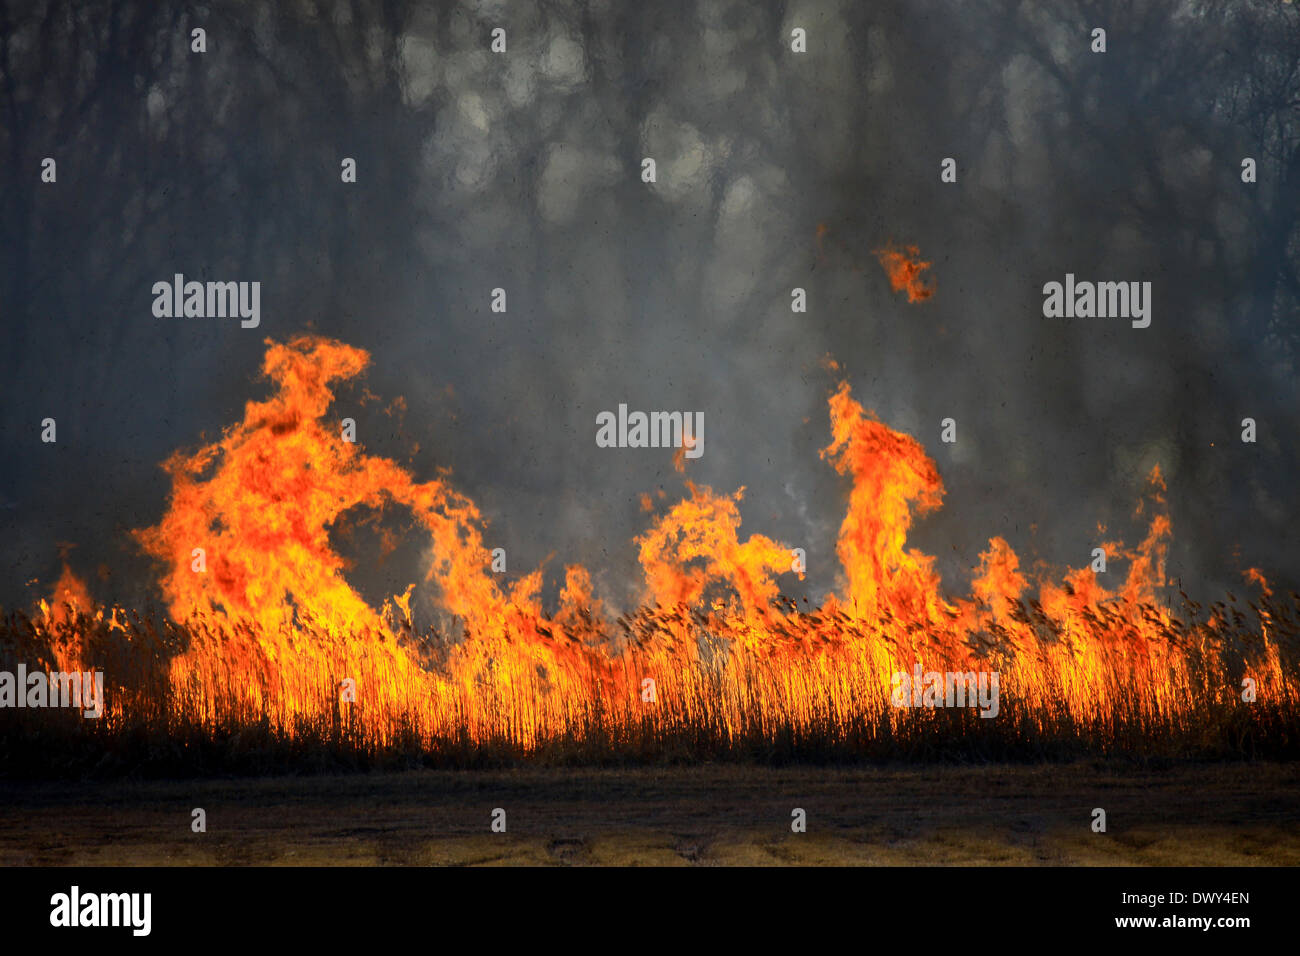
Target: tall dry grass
(809, 685)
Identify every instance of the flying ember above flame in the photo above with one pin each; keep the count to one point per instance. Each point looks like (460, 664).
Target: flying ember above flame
(904, 267)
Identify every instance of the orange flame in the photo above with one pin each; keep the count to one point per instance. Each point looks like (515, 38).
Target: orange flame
(1256, 576)
(70, 596)
(904, 267)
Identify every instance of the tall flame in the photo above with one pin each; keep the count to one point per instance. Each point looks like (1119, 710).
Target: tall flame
(892, 476)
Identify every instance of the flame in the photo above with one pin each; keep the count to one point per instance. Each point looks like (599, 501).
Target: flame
(1256, 576)
(891, 476)
(274, 631)
(695, 545)
(904, 267)
(278, 482)
(62, 615)
(69, 597)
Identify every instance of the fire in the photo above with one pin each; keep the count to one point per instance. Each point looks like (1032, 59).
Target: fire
(69, 597)
(69, 604)
(702, 529)
(273, 631)
(904, 267)
(279, 480)
(246, 539)
(892, 476)
(1256, 576)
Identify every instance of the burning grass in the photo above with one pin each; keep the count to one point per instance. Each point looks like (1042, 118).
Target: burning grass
(268, 658)
(807, 692)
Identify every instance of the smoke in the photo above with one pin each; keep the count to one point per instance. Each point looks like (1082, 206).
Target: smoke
(775, 170)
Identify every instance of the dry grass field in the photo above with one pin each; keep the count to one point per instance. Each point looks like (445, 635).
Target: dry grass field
(713, 815)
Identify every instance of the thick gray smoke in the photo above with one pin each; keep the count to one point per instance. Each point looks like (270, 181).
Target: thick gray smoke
(775, 170)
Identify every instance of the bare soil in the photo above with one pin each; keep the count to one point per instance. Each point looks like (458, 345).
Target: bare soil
(1193, 814)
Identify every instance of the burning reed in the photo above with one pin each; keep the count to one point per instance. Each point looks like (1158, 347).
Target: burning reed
(270, 659)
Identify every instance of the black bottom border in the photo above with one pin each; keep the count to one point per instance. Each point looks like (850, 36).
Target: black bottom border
(662, 906)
